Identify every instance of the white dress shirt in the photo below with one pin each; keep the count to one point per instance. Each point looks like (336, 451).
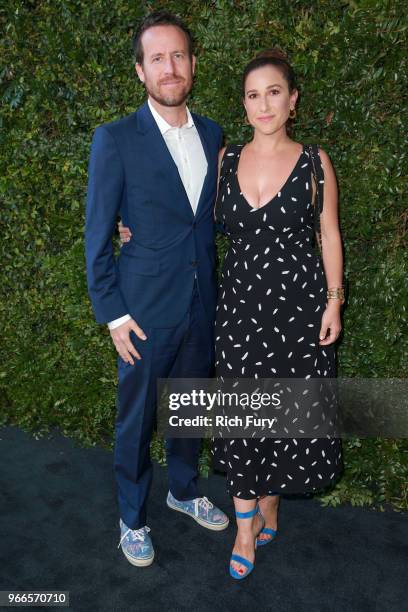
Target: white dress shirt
(185, 147)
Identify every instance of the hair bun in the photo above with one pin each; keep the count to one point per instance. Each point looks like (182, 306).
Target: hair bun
(271, 57)
(274, 53)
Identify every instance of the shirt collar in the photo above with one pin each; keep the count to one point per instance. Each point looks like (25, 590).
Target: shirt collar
(162, 123)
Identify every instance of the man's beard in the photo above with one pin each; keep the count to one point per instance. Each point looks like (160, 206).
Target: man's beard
(170, 99)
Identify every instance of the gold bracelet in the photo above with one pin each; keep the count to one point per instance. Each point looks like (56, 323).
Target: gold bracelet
(335, 293)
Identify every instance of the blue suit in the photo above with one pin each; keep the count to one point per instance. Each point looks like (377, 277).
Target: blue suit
(165, 278)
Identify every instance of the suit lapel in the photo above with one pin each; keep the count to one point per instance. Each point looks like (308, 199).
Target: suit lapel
(156, 148)
(202, 131)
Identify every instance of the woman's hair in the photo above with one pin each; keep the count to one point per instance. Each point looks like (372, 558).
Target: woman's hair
(271, 57)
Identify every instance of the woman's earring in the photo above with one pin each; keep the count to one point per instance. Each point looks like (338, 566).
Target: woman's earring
(292, 113)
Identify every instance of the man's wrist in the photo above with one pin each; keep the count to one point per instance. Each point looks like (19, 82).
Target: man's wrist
(116, 322)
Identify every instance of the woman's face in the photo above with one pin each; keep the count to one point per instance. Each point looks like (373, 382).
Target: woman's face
(267, 99)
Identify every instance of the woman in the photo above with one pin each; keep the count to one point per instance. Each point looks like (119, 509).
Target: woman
(275, 316)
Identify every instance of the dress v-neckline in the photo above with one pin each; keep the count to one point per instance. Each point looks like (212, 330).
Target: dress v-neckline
(253, 208)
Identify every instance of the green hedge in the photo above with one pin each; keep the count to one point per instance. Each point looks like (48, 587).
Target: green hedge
(66, 66)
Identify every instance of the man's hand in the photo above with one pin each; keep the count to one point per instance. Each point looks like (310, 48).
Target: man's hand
(121, 339)
(124, 233)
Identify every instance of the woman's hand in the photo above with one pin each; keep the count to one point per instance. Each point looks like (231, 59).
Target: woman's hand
(331, 323)
(124, 233)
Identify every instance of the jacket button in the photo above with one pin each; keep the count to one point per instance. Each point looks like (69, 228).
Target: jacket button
(194, 224)
(194, 263)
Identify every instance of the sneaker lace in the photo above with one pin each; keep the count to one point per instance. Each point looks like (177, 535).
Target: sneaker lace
(202, 502)
(136, 534)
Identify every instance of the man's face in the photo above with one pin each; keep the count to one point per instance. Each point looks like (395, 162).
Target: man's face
(167, 70)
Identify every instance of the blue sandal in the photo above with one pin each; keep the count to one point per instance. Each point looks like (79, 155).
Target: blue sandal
(267, 531)
(238, 558)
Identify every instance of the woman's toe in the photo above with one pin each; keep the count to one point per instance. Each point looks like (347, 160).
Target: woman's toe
(237, 567)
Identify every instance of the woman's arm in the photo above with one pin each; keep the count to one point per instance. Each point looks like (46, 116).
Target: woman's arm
(332, 251)
(220, 156)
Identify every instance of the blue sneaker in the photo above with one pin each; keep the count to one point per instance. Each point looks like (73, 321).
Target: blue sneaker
(136, 545)
(201, 510)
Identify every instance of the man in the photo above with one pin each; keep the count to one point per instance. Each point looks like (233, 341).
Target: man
(157, 169)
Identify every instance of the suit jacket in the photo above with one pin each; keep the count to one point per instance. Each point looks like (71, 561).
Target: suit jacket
(132, 174)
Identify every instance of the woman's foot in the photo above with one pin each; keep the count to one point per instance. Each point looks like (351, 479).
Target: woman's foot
(245, 541)
(268, 506)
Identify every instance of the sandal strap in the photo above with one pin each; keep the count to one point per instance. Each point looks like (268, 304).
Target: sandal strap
(269, 531)
(243, 561)
(249, 514)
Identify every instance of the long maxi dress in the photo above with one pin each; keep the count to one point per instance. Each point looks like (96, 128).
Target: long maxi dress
(271, 299)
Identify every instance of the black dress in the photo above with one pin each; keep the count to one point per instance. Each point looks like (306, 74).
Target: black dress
(271, 300)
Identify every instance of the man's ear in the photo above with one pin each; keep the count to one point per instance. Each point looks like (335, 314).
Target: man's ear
(139, 72)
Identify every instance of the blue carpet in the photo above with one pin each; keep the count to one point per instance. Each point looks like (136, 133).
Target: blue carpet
(59, 530)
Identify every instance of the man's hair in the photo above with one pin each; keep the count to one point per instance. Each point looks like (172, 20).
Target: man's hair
(159, 18)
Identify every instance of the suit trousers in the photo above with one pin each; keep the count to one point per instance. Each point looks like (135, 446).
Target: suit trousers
(184, 351)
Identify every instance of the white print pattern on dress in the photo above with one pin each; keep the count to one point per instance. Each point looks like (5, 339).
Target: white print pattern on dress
(263, 246)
